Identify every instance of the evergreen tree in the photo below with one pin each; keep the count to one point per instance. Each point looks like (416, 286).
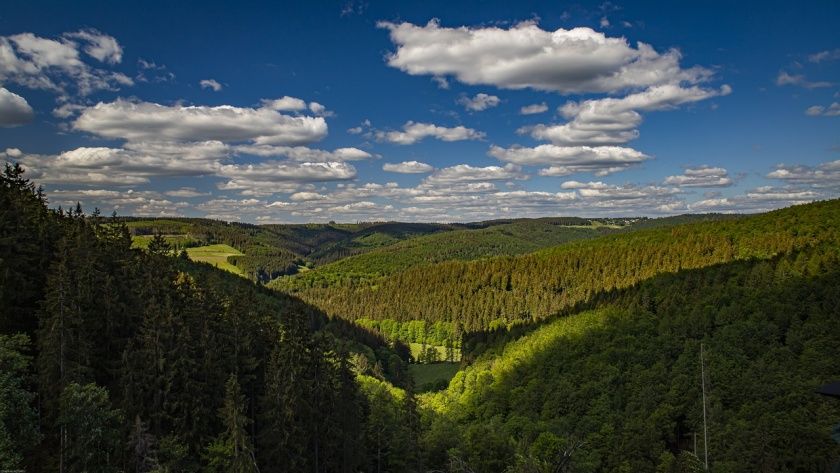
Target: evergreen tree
(91, 429)
(18, 419)
(232, 451)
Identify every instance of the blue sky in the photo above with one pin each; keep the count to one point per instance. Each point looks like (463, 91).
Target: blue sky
(347, 111)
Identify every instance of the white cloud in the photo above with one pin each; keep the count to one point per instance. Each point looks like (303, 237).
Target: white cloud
(823, 175)
(68, 109)
(186, 193)
(605, 22)
(320, 110)
(408, 167)
(414, 132)
(307, 196)
(466, 173)
(828, 55)
(134, 164)
(211, 84)
(761, 199)
(285, 104)
(128, 202)
(533, 109)
(702, 176)
(361, 208)
(278, 171)
(832, 110)
(565, 160)
(480, 102)
(799, 80)
(628, 197)
(14, 109)
(102, 47)
(304, 154)
(144, 121)
(51, 64)
(615, 120)
(525, 56)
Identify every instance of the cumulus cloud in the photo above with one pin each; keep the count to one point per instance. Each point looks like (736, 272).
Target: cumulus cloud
(134, 164)
(611, 120)
(52, 64)
(319, 110)
(412, 132)
(479, 102)
(279, 171)
(702, 176)
(14, 109)
(102, 47)
(466, 173)
(211, 84)
(408, 167)
(533, 109)
(822, 175)
(304, 154)
(799, 80)
(832, 110)
(565, 160)
(760, 199)
(526, 56)
(285, 104)
(632, 197)
(145, 121)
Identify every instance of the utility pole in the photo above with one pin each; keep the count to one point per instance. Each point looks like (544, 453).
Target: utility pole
(703, 388)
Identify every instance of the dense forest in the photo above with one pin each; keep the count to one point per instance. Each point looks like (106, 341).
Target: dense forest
(504, 291)
(617, 387)
(117, 359)
(591, 355)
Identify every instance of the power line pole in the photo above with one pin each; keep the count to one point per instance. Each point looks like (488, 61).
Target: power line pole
(703, 388)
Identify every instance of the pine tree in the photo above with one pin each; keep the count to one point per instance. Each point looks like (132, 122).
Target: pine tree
(232, 451)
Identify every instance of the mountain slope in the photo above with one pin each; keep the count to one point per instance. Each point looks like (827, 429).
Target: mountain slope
(619, 385)
(501, 291)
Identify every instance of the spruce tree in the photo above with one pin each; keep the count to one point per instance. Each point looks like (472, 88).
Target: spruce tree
(232, 451)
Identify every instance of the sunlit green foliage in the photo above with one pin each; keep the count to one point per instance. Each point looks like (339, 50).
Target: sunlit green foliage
(503, 291)
(624, 378)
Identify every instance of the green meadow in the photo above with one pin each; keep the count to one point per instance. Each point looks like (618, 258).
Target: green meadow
(217, 255)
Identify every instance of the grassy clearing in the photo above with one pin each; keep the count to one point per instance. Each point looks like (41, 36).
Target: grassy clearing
(433, 376)
(217, 256)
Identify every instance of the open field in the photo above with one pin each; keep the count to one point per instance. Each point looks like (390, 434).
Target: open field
(432, 376)
(216, 255)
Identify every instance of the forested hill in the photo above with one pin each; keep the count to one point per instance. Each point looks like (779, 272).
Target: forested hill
(617, 388)
(116, 359)
(497, 238)
(270, 251)
(501, 291)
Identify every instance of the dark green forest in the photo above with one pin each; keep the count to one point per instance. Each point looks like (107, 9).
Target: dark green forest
(115, 359)
(581, 344)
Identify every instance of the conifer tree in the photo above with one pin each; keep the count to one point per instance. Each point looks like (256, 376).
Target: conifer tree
(232, 451)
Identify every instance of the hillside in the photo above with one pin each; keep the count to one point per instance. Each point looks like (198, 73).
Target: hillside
(617, 387)
(270, 251)
(584, 356)
(115, 359)
(501, 291)
(497, 238)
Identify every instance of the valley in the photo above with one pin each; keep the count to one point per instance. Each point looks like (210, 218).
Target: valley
(511, 345)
